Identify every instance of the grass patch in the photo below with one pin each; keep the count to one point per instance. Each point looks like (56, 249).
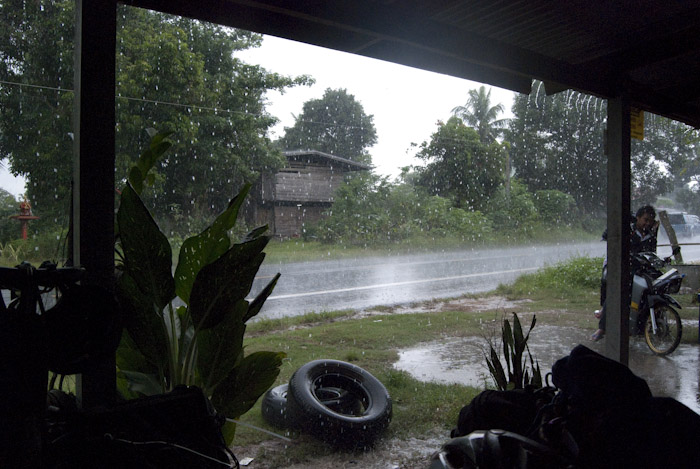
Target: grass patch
(264, 325)
(300, 250)
(565, 280)
(371, 343)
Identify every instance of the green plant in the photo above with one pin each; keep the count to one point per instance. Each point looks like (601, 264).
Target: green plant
(188, 328)
(11, 254)
(520, 373)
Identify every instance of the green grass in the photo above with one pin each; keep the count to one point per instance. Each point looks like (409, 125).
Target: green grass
(371, 343)
(299, 250)
(567, 280)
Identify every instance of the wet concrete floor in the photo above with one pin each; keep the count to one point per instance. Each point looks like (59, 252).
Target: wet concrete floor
(462, 361)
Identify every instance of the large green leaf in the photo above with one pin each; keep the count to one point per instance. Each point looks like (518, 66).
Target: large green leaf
(130, 357)
(142, 321)
(244, 385)
(257, 304)
(202, 249)
(147, 253)
(221, 284)
(143, 383)
(496, 370)
(157, 146)
(519, 348)
(220, 348)
(518, 337)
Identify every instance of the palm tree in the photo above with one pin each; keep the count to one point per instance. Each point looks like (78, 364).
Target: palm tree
(479, 114)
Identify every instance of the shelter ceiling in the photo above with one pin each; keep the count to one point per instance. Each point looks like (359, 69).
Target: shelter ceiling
(648, 50)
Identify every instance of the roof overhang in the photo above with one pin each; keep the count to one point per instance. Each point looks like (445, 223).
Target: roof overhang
(646, 50)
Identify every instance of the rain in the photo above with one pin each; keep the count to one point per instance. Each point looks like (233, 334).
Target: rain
(379, 186)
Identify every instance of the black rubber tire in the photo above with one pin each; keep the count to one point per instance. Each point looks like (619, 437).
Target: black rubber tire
(274, 407)
(275, 411)
(347, 425)
(669, 330)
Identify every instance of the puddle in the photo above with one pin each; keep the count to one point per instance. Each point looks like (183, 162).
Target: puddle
(462, 361)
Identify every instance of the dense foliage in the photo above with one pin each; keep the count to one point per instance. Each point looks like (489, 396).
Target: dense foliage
(479, 114)
(9, 228)
(336, 124)
(171, 73)
(461, 167)
(370, 210)
(557, 144)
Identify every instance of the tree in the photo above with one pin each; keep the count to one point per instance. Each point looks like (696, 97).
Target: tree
(172, 73)
(557, 144)
(460, 166)
(36, 99)
(335, 124)
(665, 161)
(9, 228)
(478, 113)
(672, 145)
(513, 212)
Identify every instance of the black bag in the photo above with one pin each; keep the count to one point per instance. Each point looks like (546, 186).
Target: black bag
(614, 420)
(513, 410)
(179, 429)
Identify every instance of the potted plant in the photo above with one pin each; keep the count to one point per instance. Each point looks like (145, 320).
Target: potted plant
(186, 326)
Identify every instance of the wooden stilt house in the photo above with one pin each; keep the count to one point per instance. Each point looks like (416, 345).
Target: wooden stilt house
(299, 193)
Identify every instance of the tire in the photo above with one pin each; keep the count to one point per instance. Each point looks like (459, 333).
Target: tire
(339, 403)
(276, 412)
(668, 330)
(274, 407)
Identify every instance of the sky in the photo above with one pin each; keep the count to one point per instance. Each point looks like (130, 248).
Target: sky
(406, 102)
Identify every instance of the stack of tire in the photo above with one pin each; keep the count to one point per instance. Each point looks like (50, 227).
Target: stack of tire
(337, 402)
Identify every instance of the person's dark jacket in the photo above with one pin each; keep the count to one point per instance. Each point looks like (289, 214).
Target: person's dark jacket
(639, 242)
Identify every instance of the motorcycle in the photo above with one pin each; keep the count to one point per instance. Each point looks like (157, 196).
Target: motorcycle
(652, 312)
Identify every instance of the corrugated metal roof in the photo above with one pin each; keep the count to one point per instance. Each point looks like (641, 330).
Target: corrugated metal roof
(321, 156)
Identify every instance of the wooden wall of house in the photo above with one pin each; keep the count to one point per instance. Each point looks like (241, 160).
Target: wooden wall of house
(264, 215)
(306, 184)
(290, 219)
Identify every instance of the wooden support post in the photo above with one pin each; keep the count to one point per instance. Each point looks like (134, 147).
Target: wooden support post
(618, 285)
(93, 175)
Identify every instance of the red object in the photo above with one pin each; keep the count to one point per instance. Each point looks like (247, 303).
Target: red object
(25, 214)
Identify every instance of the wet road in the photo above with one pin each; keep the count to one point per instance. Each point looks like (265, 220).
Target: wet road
(367, 282)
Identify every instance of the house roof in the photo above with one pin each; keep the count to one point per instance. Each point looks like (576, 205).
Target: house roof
(647, 50)
(319, 156)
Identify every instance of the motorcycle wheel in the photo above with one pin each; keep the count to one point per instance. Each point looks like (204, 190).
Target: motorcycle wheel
(315, 390)
(668, 330)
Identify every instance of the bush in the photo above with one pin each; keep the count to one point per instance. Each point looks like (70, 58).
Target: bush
(369, 211)
(579, 274)
(515, 211)
(555, 207)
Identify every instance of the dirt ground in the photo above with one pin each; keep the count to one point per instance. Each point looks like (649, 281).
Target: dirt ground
(387, 454)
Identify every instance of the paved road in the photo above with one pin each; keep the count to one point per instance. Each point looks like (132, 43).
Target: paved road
(367, 282)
